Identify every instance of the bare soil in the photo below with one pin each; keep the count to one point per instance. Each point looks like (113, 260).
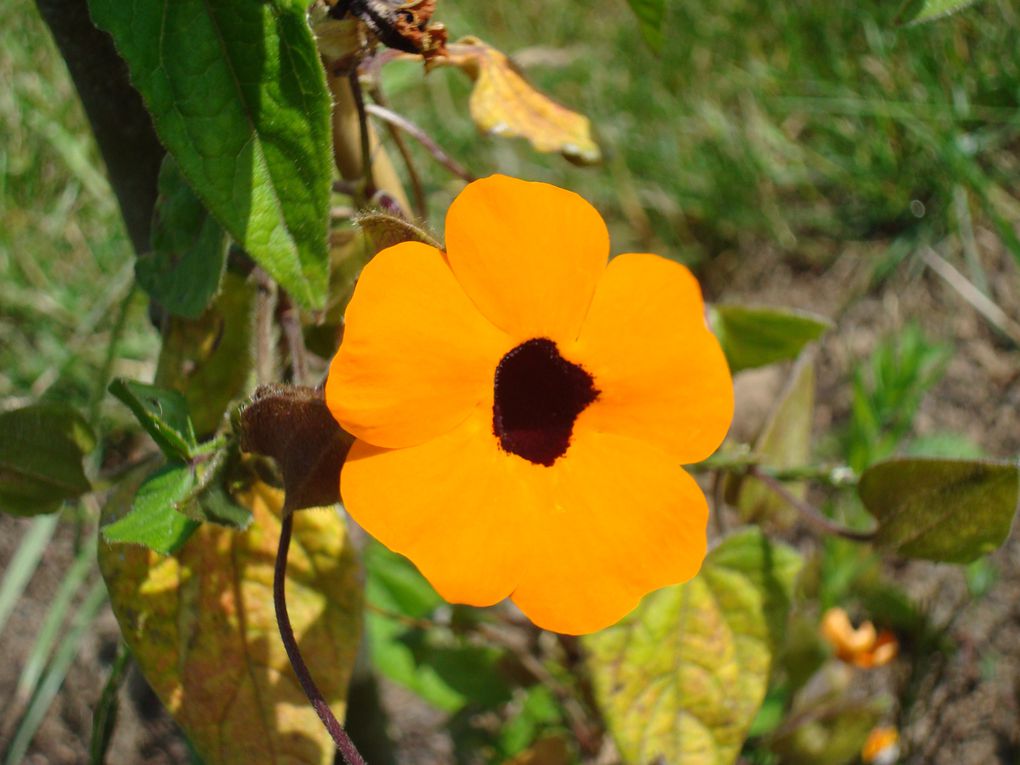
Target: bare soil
(969, 713)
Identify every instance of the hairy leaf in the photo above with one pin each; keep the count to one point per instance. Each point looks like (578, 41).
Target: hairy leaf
(189, 248)
(238, 97)
(753, 337)
(163, 413)
(650, 15)
(503, 103)
(153, 520)
(202, 628)
(41, 451)
(680, 679)
(938, 509)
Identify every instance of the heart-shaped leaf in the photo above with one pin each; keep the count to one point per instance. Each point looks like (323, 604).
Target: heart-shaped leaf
(681, 678)
(938, 509)
(41, 451)
(201, 626)
(238, 96)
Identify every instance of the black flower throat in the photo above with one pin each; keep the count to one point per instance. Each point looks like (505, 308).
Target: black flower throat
(538, 396)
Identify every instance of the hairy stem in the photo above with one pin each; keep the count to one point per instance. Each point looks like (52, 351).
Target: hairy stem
(348, 751)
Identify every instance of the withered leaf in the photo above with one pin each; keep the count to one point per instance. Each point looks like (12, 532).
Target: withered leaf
(504, 103)
(202, 627)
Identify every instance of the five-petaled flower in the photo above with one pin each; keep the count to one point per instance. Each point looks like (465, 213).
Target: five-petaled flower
(522, 409)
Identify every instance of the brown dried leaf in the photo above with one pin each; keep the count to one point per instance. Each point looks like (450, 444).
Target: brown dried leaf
(202, 627)
(504, 103)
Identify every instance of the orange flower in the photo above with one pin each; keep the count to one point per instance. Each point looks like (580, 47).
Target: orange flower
(862, 647)
(882, 747)
(522, 409)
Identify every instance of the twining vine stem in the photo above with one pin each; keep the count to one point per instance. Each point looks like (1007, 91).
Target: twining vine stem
(348, 751)
(807, 511)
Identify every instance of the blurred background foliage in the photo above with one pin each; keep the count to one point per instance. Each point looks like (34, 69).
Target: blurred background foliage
(796, 127)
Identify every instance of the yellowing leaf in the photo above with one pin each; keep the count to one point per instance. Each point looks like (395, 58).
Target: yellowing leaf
(209, 359)
(680, 679)
(504, 103)
(202, 627)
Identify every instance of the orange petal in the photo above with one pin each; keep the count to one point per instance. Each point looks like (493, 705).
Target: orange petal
(455, 505)
(528, 254)
(662, 375)
(417, 357)
(624, 520)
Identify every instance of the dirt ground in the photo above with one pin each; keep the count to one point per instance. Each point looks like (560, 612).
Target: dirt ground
(970, 712)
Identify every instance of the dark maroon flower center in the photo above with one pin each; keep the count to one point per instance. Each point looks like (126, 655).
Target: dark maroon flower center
(537, 398)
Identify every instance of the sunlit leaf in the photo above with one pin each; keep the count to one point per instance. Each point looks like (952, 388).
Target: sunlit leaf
(163, 413)
(552, 750)
(238, 96)
(753, 336)
(189, 248)
(650, 14)
(681, 678)
(784, 442)
(503, 103)
(938, 509)
(936, 9)
(153, 520)
(201, 626)
(41, 451)
(209, 359)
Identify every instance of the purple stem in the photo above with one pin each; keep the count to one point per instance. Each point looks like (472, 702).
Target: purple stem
(348, 751)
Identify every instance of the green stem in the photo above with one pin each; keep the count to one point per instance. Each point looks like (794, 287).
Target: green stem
(104, 717)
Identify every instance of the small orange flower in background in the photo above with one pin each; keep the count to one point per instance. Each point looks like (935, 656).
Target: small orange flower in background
(864, 646)
(522, 409)
(882, 747)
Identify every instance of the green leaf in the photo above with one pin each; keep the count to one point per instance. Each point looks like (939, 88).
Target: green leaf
(650, 14)
(682, 677)
(201, 626)
(394, 586)
(753, 337)
(216, 482)
(938, 509)
(163, 413)
(41, 451)
(189, 248)
(785, 442)
(238, 97)
(153, 520)
(935, 9)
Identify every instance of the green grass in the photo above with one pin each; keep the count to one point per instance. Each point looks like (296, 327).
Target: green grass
(794, 125)
(65, 261)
